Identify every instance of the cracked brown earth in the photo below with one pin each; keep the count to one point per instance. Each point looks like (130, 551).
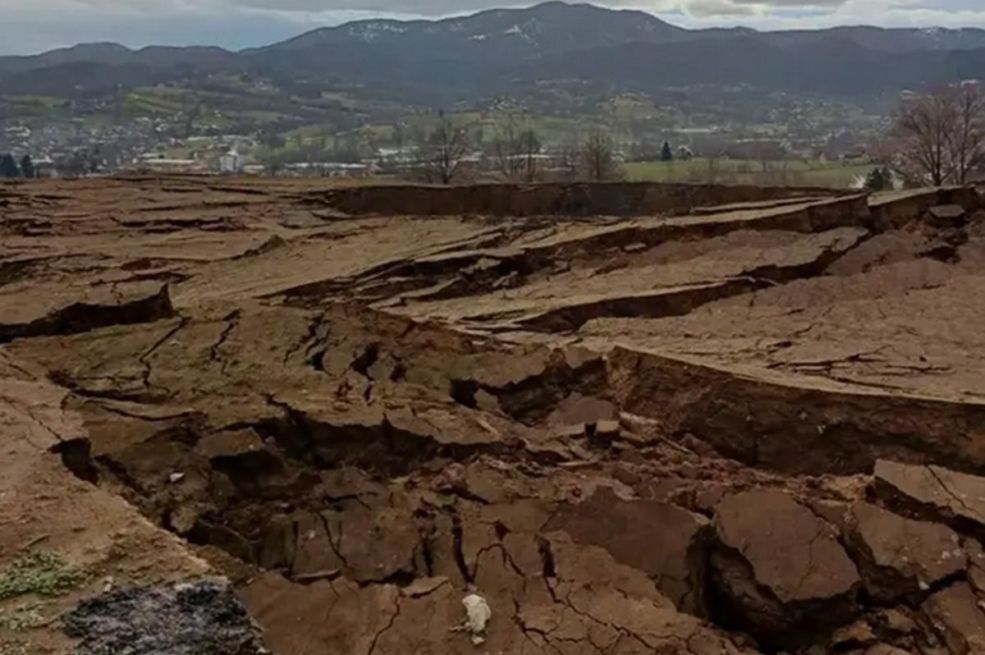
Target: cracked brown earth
(631, 418)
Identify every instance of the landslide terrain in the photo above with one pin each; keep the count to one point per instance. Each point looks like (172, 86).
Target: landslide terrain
(241, 415)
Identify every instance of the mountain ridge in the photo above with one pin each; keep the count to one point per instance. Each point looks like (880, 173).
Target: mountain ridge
(507, 50)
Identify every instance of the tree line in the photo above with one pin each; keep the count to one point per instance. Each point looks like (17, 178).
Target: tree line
(10, 168)
(938, 136)
(518, 154)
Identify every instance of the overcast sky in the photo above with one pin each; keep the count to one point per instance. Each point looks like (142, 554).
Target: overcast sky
(30, 26)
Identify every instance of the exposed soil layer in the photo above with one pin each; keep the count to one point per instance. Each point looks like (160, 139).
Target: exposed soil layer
(614, 199)
(670, 429)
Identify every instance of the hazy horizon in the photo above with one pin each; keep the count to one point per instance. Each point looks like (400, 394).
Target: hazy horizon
(238, 24)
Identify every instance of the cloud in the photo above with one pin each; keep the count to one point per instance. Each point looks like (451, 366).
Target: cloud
(795, 4)
(710, 8)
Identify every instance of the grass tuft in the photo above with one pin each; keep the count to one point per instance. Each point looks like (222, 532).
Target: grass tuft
(41, 573)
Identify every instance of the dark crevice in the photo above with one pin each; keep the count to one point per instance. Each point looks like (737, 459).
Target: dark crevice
(463, 392)
(317, 361)
(458, 534)
(215, 352)
(83, 317)
(369, 357)
(549, 568)
(76, 455)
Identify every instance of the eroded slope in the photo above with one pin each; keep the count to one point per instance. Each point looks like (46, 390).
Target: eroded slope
(712, 430)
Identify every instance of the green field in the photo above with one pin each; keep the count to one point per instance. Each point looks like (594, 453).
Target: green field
(743, 171)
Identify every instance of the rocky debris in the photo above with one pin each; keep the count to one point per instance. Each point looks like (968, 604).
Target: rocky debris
(957, 615)
(900, 557)
(578, 410)
(664, 541)
(777, 565)
(934, 492)
(856, 635)
(947, 215)
(976, 565)
(542, 595)
(184, 619)
(883, 649)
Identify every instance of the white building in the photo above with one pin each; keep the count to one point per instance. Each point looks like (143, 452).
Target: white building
(231, 162)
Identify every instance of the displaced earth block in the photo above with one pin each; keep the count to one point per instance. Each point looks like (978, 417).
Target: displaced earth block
(246, 416)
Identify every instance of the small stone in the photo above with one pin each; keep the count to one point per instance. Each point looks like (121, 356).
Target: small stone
(976, 565)
(572, 431)
(947, 213)
(423, 586)
(857, 634)
(897, 621)
(487, 402)
(698, 446)
(607, 429)
(627, 477)
(176, 477)
(578, 409)
(183, 519)
(229, 443)
(886, 649)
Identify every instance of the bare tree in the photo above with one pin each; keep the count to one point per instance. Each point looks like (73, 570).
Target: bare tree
(568, 160)
(516, 151)
(444, 151)
(598, 158)
(941, 134)
(966, 139)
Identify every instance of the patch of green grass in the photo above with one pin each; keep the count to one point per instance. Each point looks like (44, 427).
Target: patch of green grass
(41, 573)
(21, 618)
(48, 102)
(741, 171)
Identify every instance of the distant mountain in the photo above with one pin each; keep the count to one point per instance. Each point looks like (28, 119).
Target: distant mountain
(896, 40)
(114, 54)
(547, 28)
(509, 50)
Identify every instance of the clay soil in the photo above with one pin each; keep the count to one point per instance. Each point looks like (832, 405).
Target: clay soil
(628, 418)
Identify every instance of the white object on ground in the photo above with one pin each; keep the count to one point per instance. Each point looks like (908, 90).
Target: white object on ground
(477, 616)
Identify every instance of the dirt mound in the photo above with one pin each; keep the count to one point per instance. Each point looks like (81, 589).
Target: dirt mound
(735, 429)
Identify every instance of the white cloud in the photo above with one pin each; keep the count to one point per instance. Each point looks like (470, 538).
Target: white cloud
(721, 8)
